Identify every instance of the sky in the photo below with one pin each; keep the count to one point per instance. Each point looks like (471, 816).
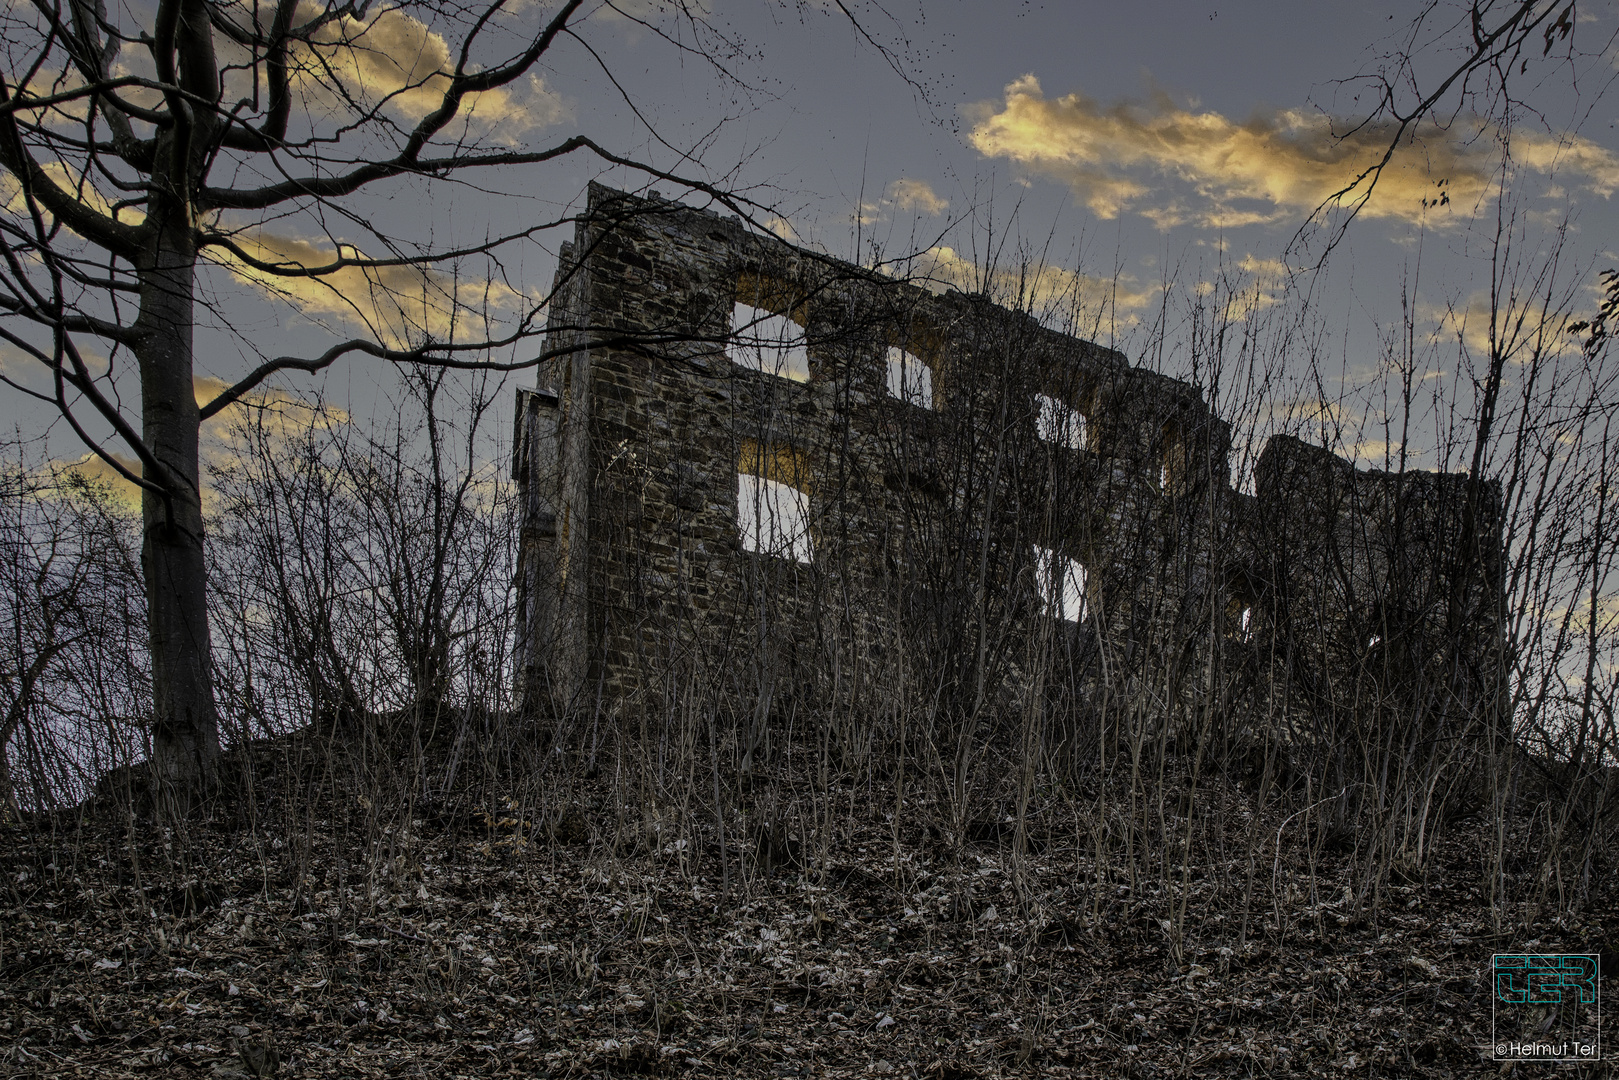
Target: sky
(1134, 153)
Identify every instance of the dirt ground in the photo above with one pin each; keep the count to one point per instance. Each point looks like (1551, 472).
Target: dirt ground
(584, 937)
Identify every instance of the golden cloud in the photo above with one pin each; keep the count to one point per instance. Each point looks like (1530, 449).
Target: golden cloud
(98, 473)
(287, 411)
(1524, 332)
(390, 60)
(401, 306)
(1380, 453)
(782, 228)
(83, 188)
(1205, 169)
(911, 194)
(396, 60)
(1581, 617)
(47, 81)
(1262, 268)
(232, 435)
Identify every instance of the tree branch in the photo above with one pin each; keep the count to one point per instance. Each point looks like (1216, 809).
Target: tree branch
(336, 186)
(342, 262)
(426, 355)
(1514, 30)
(463, 83)
(123, 240)
(81, 324)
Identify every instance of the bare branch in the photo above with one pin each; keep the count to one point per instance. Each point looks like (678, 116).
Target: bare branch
(115, 236)
(334, 187)
(344, 262)
(443, 356)
(1488, 49)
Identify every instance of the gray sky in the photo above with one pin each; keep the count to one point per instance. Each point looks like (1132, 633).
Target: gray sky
(1144, 146)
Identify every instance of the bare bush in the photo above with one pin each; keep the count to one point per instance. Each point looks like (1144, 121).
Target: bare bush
(364, 576)
(74, 686)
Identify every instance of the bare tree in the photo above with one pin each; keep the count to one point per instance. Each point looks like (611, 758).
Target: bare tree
(145, 143)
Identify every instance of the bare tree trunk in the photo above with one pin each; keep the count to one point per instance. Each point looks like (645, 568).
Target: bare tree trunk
(185, 727)
(158, 210)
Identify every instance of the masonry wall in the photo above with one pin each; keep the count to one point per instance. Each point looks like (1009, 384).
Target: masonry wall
(639, 599)
(1387, 586)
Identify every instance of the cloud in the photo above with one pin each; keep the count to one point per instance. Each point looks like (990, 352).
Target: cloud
(1319, 412)
(911, 194)
(266, 420)
(281, 410)
(1257, 281)
(98, 473)
(1175, 166)
(281, 415)
(1523, 331)
(905, 193)
(782, 228)
(401, 306)
(394, 61)
(82, 187)
(47, 81)
(1569, 155)
(390, 60)
(1263, 268)
(1379, 453)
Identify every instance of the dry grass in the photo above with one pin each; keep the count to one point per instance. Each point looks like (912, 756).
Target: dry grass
(585, 930)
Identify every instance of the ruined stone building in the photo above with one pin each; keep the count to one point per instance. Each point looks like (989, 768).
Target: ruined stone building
(764, 482)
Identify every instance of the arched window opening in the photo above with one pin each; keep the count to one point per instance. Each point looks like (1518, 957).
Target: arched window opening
(909, 379)
(1238, 622)
(1060, 423)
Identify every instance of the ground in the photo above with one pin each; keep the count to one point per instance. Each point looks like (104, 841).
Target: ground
(472, 937)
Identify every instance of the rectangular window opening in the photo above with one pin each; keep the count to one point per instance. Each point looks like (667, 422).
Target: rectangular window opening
(772, 517)
(1060, 423)
(767, 342)
(1061, 583)
(909, 379)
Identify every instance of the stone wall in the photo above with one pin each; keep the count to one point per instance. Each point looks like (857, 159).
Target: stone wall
(916, 574)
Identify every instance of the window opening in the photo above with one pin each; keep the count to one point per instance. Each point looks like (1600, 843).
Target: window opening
(767, 342)
(1173, 474)
(909, 379)
(772, 517)
(1061, 582)
(1060, 423)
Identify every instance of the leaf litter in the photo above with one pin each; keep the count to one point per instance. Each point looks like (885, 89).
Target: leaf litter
(453, 944)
